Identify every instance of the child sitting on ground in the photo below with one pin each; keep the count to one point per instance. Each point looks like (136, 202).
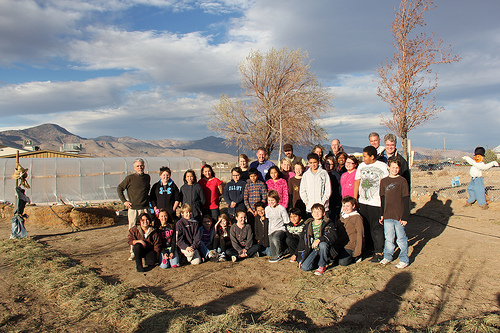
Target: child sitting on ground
(316, 241)
(188, 235)
(222, 239)
(395, 213)
(351, 232)
(207, 238)
(476, 187)
(168, 254)
(241, 239)
(261, 228)
(277, 217)
(293, 231)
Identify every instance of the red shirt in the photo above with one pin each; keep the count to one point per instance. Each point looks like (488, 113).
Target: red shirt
(211, 191)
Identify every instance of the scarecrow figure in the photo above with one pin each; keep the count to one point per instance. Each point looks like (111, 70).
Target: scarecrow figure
(476, 187)
(18, 230)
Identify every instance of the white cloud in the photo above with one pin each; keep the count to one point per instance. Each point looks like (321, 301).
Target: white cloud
(46, 97)
(150, 114)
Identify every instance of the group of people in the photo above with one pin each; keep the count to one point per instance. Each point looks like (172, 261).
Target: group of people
(322, 209)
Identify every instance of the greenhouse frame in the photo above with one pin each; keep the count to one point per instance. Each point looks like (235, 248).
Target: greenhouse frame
(84, 180)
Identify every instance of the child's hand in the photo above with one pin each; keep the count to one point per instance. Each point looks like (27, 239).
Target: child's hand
(381, 221)
(171, 256)
(315, 244)
(403, 223)
(233, 204)
(189, 249)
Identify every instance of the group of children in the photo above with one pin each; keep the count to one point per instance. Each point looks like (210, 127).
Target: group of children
(292, 217)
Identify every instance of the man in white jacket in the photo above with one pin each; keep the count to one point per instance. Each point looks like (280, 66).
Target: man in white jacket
(315, 185)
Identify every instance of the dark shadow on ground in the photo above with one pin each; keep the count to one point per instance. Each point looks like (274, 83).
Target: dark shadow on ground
(162, 322)
(377, 310)
(53, 232)
(427, 223)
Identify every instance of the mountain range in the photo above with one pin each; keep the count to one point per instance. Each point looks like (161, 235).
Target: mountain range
(210, 149)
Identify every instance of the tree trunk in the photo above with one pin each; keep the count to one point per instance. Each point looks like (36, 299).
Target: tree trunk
(404, 143)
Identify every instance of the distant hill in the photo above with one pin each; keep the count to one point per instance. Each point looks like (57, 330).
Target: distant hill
(210, 149)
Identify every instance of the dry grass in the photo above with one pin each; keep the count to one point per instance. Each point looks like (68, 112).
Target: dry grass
(82, 298)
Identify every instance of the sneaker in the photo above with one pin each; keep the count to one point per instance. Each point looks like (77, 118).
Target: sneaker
(401, 265)
(256, 255)
(278, 258)
(384, 261)
(234, 258)
(222, 257)
(484, 207)
(293, 258)
(132, 256)
(376, 258)
(212, 254)
(468, 204)
(358, 259)
(320, 270)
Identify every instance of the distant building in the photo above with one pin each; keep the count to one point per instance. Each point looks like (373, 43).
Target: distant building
(29, 146)
(74, 148)
(6, 150)
(42, 154)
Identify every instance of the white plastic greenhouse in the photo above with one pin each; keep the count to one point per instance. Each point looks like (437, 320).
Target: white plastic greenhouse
(84, 179)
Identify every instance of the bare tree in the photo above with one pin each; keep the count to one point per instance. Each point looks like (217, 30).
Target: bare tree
(405, 81)
(282, 101)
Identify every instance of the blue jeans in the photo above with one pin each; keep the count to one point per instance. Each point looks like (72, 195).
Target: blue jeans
(276, 242)
(203, 250)
(393, 228)
(476, 191)
(169, 262)
(321, 253)
(345, 257)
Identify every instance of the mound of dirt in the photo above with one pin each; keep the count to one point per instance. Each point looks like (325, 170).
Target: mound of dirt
(63, 216)
(88, 217)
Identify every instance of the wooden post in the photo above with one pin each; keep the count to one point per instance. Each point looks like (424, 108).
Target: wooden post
(17, 162)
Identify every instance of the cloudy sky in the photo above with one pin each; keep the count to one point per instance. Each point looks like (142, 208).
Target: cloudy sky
(152, 69)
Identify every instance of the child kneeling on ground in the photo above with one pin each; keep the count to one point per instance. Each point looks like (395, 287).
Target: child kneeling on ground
(351, 232)
(395, 213)
(188, 235)
(316, 241)
(241, 238)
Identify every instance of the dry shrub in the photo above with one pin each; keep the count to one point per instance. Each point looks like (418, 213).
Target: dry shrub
(93, 216)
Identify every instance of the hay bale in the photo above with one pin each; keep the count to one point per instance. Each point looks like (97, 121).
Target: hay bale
(49, 216)
(93, 216)
(6, 211)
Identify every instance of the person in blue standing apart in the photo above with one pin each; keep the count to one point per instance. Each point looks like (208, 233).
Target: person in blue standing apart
(262, 164)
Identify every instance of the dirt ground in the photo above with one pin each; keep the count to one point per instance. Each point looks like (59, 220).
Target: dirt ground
(454, 270)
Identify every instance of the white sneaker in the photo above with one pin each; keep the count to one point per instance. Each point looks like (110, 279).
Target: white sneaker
(384, 261)
(132, 256)
(234, 258)
(401, 265)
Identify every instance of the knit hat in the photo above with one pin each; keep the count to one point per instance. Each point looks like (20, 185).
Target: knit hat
(479, 151)
(287, 147)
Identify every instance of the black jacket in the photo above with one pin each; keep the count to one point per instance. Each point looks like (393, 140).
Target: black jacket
(328, 234)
